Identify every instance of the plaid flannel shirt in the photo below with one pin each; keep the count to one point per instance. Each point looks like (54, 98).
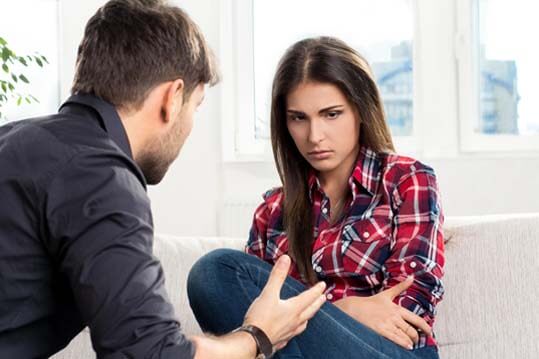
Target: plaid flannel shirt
(391, 228)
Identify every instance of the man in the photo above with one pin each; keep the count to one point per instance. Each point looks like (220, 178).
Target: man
(75, 221)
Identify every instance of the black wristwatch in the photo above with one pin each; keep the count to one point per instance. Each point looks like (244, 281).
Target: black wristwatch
(264, 348)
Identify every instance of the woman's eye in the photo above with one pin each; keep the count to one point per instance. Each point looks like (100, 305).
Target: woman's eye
(297, 117)
(333, 114)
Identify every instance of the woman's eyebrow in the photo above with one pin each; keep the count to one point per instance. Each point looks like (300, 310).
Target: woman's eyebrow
(326, 109)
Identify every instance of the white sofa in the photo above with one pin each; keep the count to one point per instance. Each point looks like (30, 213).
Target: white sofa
(490, 309)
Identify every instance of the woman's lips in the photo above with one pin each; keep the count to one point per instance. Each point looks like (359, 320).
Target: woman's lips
(319, 155)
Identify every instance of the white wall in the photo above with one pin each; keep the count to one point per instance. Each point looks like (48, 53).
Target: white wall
(73, 18)
(190, 199)
(186, 202)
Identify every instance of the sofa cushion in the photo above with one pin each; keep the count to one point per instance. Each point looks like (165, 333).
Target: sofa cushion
(177, 255)
(492, 269)
(491, 281)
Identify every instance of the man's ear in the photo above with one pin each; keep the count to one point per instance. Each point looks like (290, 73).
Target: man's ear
(172, 101)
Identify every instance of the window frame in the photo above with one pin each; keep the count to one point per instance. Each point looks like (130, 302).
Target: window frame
(444, 85)
(468, 64)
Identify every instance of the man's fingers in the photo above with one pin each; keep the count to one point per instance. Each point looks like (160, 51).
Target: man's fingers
(311, 310)
(278, 275)
(281, 345)
(416, 321)
(300, 329)
(308, 297)
(399, 288)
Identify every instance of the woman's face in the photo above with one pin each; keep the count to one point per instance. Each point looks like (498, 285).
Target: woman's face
(323, 125)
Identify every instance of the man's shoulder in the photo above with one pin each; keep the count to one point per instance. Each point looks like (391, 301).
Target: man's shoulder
(63, 132)
(54, 135)
(41, 147)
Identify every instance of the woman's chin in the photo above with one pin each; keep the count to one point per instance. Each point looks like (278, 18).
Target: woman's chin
(323, 165)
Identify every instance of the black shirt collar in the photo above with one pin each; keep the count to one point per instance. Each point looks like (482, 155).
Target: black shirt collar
(109, 118)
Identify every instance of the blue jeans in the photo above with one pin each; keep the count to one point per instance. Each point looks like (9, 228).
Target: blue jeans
(223, 284)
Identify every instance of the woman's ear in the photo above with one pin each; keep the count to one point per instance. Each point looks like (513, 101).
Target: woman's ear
(172, 101)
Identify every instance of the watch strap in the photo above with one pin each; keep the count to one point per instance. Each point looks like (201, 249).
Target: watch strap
(263, 343)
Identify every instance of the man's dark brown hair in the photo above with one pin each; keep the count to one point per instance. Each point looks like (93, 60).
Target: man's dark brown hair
(130, 46)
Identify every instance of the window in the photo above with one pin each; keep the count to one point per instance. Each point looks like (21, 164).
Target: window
(508, 68)
(31, 26)
(456, 77)
(387, 48)
(258, 44)
(498, 94)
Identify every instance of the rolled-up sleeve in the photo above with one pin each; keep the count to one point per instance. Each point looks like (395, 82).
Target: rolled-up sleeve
(101, 234)
(418, 244)
(256, 245)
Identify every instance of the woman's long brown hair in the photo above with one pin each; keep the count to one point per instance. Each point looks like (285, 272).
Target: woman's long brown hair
(324, 60)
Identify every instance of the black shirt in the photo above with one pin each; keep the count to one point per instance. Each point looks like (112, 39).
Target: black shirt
(76, 240)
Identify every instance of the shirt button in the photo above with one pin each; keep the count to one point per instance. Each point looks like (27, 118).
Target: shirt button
(318, 269)
(413, 265)
(324, 210)
(366, 234)
(329, 296)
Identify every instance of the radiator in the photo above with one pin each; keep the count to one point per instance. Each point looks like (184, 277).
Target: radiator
(236, 217)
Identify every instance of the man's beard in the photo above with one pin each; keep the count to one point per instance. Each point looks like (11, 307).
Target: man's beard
(159, 154)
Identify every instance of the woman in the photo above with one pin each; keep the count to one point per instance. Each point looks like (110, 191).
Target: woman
(351, 213)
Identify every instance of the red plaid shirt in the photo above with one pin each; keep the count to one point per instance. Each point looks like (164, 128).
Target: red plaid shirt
(392, 228)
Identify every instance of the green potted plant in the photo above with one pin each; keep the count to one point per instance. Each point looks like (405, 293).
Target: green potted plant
(10, 78)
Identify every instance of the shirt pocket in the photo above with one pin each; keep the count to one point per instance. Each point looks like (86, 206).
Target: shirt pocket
(366, 243)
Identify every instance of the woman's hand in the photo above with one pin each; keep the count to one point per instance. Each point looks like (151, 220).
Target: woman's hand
(386, 318)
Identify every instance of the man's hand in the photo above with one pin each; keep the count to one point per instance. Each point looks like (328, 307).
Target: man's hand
(282, 320)
(386, 318)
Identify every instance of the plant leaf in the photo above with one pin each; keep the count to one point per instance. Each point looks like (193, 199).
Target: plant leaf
(5, 54)
(2, 42)
(24, 79)
(28, 100)
(5, 68)
(39, 62)
(4, 87)
(14, 77)
(19, 100)
(22, 60)
(44, 59)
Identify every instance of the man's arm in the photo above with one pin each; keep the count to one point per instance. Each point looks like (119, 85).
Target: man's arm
(240, 345)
